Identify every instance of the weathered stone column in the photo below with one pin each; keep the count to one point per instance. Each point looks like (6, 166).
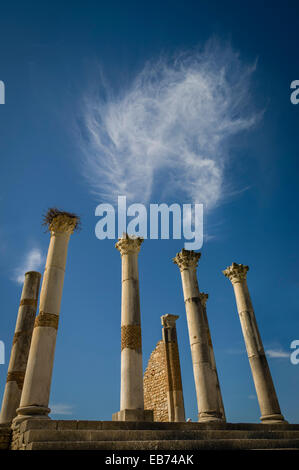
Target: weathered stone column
(20, 347)
(37, 383)
(131, 393)
(265, 390)
(206, 390)
(203, 299)
(176, 409)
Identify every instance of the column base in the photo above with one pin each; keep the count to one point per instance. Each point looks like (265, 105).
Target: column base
(134, 415)
(32, 412)
(273, 419)
(210, 417)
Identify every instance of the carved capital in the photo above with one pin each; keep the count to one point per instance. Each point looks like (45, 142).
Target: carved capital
(187, 259)
(126, 244)
(168, 320)
(63, 223)
(236, 272)
(203, 298)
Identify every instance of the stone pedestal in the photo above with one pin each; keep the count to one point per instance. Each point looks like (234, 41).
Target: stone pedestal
(176, 409)
(206, 390)
(268, 402)
(131, 393)
(203, 299)
(20, 347)
(37, 383)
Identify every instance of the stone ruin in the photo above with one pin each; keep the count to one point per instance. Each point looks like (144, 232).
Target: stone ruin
(152, 413)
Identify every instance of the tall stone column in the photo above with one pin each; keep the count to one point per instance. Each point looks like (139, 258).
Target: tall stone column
(20, 347)
(203, 299)
(176, 409)
(206, 390)
(268, 402)
(131, 393)
(37, 383)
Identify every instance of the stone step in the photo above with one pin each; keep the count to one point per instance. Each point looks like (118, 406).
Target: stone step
(130, 425)
(46, 435)
(214, 444)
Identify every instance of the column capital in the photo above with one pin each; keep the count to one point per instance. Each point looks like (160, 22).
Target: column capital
(58, 221)
(187, 259)
(236, 272)
(168, 320)
(126, 244)
(203, 298)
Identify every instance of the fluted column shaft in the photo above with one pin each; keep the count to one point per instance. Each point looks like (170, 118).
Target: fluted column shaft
(206, 391)
(266, 394)
(131, 392)
(203, 299)
(176, 408)
(37, 383)
(20, 347)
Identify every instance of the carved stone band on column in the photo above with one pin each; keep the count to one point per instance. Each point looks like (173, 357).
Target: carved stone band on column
(131, 337)
(47, 319)
(18, 334)
(16, 376)
(236, 272)
(128, 244)
(30, 302)
(187, 259)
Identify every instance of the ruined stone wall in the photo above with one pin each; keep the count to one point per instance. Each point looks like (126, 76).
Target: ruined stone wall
(156, 385)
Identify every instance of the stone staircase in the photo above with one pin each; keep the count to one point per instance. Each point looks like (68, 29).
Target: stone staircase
(39, 434)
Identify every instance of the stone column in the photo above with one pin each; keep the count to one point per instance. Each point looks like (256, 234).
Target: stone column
(131, 393)
(206, 390)
(20, 347)
(203, 299)
(37, 383)
(176, 409)
(268, 402)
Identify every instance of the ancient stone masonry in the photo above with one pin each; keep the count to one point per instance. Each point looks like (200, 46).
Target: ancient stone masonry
(204, 376)
(155, 384)
(176, 409)
(163, 391)
(37, 383)
(20, 347)
(131, 393)
(266, 394)
(158, 396)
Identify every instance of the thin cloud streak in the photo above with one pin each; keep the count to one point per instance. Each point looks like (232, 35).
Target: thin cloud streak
(277, 354)
(173, 123)
(32, 262)
(61, 409)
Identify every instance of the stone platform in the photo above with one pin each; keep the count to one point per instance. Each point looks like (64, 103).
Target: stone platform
(39, 434)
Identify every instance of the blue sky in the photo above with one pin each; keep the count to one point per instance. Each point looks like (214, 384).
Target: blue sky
(195, 99)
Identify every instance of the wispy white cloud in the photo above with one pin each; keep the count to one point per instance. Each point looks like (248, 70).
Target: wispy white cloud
(173, 124)
(61, 409)
(252, 397)
(277, 353)
(32, 262)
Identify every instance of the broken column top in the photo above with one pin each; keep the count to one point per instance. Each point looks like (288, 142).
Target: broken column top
(169, 320)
